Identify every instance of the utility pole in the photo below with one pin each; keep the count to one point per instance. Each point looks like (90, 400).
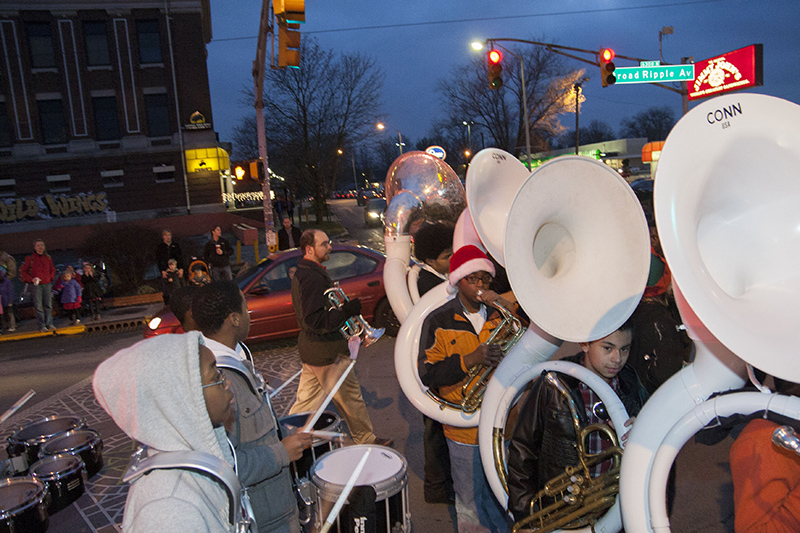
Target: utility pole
(265, 29)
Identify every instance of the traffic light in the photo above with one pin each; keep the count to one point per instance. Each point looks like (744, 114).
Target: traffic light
(494, 57)
(289, 11)
(288, 45)
(607, 67)
(257, 171)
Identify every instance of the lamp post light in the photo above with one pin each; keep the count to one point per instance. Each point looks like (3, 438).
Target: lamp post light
(477, 45)
(468, 124)
(666, 30)
(381, 126)
(353, 159)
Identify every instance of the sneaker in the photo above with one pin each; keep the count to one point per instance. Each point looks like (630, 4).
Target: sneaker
(45, 329)
(11, 329)
(51, 327)
(384, 442)
(77, 320)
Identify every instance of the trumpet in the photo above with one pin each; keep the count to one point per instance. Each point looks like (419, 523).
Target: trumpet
(574, 499)
(355, 326)
(505, 335)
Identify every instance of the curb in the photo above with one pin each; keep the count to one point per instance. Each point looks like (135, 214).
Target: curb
(116, 326)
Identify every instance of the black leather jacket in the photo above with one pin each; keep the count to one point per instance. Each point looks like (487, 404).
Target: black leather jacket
(544, 443)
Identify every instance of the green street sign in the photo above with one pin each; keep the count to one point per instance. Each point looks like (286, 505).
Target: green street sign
(655, 74)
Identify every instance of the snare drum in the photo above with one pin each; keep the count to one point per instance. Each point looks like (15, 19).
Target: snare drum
(327, 422)
(65, 477)
(385, 470)
(23, 505)
(85, 443)
(27, 439)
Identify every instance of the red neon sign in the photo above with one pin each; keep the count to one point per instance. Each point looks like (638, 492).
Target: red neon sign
(732, 71)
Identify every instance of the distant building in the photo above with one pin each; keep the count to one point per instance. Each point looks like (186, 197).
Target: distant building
(623, 155)
(105, 113)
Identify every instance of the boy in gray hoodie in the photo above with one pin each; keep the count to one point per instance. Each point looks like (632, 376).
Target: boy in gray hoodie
(167, 393)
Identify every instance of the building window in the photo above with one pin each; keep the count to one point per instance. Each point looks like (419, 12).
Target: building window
(106, 123)
(7, 188)
(149, 41)
(157, 112)
(59, 183)
(5, 127)
(164, 173)
(51, 120)
(112, 178)
(94, 34)
(41, 42)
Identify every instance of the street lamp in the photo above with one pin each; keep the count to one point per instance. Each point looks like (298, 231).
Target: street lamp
(477, 45)
(666, 30)
(353, 159)
(381, 126)
(468, 124)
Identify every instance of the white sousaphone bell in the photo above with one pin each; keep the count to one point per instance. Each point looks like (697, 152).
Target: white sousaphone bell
(726, 197)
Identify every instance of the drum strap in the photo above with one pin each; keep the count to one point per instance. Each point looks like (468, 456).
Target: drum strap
(240, 514)
(253, 378)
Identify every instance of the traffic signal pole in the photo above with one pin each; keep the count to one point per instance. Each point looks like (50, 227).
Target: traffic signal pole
(265, 28)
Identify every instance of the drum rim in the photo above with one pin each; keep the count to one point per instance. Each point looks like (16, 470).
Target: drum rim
(54, 476)
(37, 500)
(308, 414)
(331, 491)
(87, 445)
(15, 439)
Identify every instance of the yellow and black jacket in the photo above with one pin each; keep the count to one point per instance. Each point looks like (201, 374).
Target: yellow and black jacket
(447, 335)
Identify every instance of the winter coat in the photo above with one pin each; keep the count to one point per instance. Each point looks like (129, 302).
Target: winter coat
(91, 286)
(543, 443)
(214, 259)
(153, 392)
(283, 238)
(263, 460)
(71, 292)
(6, 292)
(320, 342)
(37, 266)
(6, 260)
(165, 252)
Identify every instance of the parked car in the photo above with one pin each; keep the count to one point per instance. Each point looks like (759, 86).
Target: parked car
(364, 195)
(374, 212)
(267, 288)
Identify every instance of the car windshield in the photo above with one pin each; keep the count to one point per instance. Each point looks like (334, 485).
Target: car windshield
(376, 204)
(243, 280)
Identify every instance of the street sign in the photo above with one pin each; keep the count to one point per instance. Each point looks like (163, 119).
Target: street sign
(655, 74)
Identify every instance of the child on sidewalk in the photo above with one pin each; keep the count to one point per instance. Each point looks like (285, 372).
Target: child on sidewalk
(92, 289)
(71, 296)
(172, 281)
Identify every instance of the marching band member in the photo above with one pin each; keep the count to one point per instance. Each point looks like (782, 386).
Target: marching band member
(167, 393)
(451, 342)
(220, 311)
(543, 442)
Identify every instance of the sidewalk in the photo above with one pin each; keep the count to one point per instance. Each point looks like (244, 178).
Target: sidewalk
(111, 320)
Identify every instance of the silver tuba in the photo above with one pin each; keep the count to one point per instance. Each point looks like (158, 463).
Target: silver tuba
(726, 192)
(355, 326)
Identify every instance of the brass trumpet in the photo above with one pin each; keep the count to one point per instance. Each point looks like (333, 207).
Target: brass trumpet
(505, 335)
(574, 499)
(355, 326)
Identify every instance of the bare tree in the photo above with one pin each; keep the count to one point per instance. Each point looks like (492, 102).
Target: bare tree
(597, 131)
(329, 104)
(499, 113)
(654, 123)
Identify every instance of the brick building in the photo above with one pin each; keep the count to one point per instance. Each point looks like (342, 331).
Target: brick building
(105, 113)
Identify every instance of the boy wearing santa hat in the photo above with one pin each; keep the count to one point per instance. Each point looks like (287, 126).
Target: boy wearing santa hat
(452, 341)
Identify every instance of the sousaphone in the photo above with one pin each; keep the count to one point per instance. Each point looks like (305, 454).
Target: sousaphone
(726, 196)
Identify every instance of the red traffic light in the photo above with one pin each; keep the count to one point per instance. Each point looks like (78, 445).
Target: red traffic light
(606, 55)
(495, 56)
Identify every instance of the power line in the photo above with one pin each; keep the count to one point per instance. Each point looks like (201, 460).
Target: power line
(484, 19)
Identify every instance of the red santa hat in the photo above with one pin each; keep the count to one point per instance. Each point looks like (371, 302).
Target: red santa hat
(467, 260)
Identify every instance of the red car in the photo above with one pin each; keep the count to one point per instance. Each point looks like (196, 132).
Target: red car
(267, 287)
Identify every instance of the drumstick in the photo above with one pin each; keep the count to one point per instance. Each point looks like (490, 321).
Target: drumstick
(17, 405)
(345, 493)
(331, 394)
(327, 434)
(276, 391)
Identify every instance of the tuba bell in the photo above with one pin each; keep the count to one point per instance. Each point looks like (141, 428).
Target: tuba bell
(728, 227)
(355, 326)
(574, 498)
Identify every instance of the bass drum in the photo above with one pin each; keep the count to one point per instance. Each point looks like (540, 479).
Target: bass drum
(23, 505)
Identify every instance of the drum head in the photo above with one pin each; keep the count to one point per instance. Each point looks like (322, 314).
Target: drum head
(17, 493)
(55, 466)
(43, 429)
(385, 470)
(72, 442)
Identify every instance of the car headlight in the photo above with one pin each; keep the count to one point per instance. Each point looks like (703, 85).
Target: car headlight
(154, 323)
(374, 214)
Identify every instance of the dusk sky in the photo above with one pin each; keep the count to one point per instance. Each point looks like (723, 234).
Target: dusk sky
(417, 42)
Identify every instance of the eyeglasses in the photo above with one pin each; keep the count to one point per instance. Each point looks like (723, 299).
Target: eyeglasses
(473, 279)
(222, 380)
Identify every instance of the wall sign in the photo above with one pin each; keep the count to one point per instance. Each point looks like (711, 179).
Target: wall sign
(732, 71)
(52, 206)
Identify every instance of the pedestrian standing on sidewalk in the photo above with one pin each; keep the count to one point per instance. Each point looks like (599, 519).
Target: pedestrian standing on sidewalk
(71, 299)
(6, 301)
(92, 290)
(38, 271)
(216, 254)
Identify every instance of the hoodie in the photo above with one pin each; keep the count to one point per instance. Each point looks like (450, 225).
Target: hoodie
(152, 391)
